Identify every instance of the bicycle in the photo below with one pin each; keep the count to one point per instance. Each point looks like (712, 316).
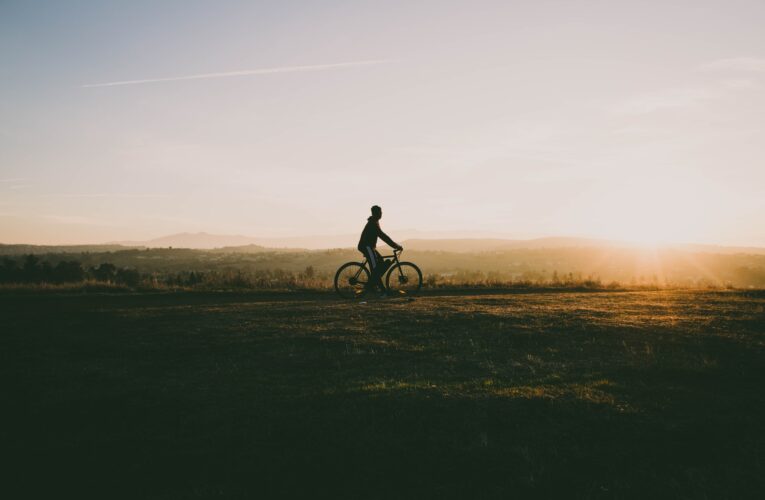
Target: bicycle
(402, 278)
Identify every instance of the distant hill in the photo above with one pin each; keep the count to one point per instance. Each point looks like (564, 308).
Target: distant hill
(193, 240)
(239, 243)
(718, 249)
(253, 249)
(414, 240)
(410, 239)
(207, 241)
(45, 249)
(497, 244)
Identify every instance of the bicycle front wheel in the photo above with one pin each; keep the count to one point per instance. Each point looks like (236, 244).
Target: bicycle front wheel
(351, 280)
(404, 278)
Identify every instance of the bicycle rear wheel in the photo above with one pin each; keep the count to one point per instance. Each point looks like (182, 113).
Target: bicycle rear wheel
(351, 280)
(404, 278)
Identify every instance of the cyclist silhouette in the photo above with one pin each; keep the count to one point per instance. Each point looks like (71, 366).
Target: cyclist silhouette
(368, 247)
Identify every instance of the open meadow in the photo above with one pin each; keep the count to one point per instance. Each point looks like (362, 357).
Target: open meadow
(490, 394)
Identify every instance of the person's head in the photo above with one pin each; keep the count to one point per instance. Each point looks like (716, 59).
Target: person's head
(377, 212)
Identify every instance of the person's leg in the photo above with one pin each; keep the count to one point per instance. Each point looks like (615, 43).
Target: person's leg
(373, 258)
(379, 271)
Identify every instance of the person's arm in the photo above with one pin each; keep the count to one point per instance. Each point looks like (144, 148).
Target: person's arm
(387, 239)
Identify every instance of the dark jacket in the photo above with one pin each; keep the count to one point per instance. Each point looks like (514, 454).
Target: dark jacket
(370, 234)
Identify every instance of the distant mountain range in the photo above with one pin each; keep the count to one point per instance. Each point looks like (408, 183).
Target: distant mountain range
(472, 245)
(412, 240)
(192, 240)
(212, 241)
(468, 245)
(207, 241)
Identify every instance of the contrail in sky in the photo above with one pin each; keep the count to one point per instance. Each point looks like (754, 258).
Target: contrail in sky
(261, 71)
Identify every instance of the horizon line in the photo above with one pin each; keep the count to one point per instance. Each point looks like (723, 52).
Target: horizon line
(143, 243)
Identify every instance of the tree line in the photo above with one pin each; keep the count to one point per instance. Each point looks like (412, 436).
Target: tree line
(33, 270)
(30, 269)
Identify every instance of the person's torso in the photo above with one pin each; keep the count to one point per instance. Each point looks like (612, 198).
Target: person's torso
(369, 235)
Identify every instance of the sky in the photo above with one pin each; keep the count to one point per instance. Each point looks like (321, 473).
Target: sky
(639, 121)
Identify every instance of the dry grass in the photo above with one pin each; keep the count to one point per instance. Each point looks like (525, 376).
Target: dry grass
(577, 395)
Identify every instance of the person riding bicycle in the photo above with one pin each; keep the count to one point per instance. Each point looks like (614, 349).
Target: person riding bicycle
(368, 247)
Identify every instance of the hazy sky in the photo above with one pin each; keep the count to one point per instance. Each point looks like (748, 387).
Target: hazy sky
(631, 120)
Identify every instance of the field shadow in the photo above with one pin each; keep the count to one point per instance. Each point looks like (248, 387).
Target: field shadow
(619, 396)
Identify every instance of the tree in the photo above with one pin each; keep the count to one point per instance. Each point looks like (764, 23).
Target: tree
(194, 278)
(129, 277)
(68, 272)
(31, 270)
(104, 272)
(9, 271)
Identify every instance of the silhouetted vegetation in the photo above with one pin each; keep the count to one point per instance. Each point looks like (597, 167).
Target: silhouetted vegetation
(31, 269)
(589, 268)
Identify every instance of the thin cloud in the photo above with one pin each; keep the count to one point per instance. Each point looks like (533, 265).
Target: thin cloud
(106, 195)
(669, 98)
(753, 64)
(246, 72)
(684, 97)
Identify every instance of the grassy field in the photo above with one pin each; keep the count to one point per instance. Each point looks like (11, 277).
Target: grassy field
(491, 395)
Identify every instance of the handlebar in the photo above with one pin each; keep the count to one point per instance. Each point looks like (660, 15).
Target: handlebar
(395, 251)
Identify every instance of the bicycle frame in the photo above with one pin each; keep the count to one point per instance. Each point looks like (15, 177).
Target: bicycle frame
(395, 255)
